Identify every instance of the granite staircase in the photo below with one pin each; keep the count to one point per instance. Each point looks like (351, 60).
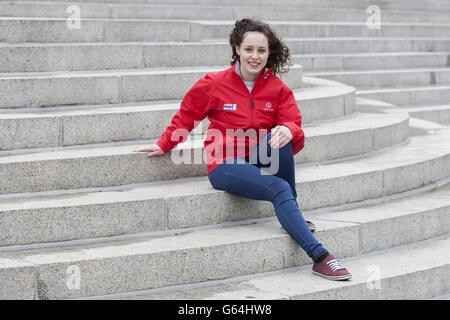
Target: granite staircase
(84, 217)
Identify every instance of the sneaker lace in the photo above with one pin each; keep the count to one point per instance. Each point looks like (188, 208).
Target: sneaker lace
(335, 265)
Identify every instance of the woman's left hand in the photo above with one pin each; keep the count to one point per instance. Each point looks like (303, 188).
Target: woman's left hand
(281, 135)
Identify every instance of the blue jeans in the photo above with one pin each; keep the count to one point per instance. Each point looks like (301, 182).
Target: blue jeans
(243, 178)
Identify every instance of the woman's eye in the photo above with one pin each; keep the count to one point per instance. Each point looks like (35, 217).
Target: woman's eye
(260, 51)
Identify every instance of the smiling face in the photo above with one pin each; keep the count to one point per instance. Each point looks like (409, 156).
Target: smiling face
(253, 53)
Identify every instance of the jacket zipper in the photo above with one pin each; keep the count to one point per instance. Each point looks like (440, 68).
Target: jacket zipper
(251, 96)
(253, 108)
(252, 102)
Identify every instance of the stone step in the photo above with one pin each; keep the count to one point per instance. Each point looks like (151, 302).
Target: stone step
(67, 126)
(35, 57)
(385, 275)
(206, 11)
(420, 127)
(220, 30)
(425, 118)
(149, 263)
(59, 30)
(56, 30)
(62, 209)
(169, 207)
(429, 5)
(375, 61)
(24, 90)
(116, 164)
(406, 96)
(443, 297)
(38, 57)
(435, 113)
(363, 45)
(220, 253)
(387, 78)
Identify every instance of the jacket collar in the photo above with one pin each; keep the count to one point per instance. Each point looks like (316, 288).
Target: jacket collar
(236, 69)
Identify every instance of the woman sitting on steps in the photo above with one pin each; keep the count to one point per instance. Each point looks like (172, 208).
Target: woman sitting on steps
(254, 133)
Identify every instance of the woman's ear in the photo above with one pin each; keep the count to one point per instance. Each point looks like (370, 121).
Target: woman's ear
(237, 50)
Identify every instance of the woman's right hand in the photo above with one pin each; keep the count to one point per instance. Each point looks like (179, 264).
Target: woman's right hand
(154, 150)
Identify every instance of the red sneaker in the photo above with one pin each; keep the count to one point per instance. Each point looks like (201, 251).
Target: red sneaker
(331, 268)
(311, 226)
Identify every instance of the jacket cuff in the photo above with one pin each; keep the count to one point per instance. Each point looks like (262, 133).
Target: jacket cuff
(165, 147)
(295, 130)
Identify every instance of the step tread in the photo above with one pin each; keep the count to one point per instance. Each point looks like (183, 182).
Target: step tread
(376, 71)
(242, 232)
(124, 72)
(102, 44)
(372, 54)
(299, 283)
(325, 39)
(326, 23)
(391, 208)
(206, 238)
(320, 90)
(231, 22)
(418, 149)
(222, 42)
(161, 4)
(426, 107)
(211, 6)
(62, 19)
(402, 89)
(370, 39)
(352, 122)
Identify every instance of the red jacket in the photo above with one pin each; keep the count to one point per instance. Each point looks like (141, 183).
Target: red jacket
(224, 98)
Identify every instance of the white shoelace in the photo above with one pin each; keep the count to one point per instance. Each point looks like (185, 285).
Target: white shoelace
(335, 265)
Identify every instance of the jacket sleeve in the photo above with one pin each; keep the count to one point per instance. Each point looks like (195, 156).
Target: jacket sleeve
(288, 114)
(194, 108)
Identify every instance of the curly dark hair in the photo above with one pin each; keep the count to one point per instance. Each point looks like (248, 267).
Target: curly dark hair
(279, 58)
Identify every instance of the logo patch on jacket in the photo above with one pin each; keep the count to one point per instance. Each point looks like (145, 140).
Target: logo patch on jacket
(230, 106)
(268, 107)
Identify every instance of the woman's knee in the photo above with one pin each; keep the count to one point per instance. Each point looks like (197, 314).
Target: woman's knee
(281, 192)
(215, 177)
